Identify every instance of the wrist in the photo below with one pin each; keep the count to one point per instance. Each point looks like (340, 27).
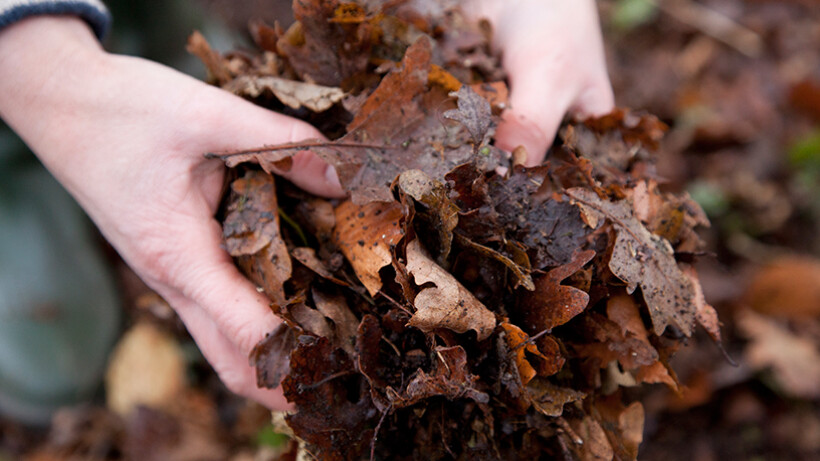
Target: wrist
(44, 63)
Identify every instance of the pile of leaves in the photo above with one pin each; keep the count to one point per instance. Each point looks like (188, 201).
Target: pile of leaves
(459, 304)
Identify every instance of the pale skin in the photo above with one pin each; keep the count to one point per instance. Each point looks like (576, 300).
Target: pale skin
(126, 137)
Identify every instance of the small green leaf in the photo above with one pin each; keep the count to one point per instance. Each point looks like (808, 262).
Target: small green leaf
(805, 152)
(269, 438)
(629, 14)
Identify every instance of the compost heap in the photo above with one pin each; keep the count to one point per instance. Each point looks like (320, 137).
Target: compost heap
(458, 305)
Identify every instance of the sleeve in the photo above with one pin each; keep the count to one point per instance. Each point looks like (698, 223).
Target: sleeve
(93, 12)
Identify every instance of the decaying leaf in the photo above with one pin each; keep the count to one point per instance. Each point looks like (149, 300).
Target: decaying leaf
(450, 379)
(473, 112)
(437, 209)
(252, 235)
(271, 357)
(642, 258)
(447, 304)
(435, 242)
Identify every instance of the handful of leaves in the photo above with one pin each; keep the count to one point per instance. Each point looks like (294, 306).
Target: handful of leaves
(458, 305)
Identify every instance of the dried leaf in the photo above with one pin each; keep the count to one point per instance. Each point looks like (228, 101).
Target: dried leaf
(345, 324)
(793, 358)
(448, 304)
(451, 379)
(473, 112)
(706, 314)
(252, 235)
(293, 94)
(786, 287)
(552, 304)
(319, 373)
(549, 399)
(641, 258)
(271, 356)
(517, 340)
(366, 236)
(440, 213)
(198, 46)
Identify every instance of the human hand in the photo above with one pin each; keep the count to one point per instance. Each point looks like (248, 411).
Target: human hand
(553, 55)
(126, 137)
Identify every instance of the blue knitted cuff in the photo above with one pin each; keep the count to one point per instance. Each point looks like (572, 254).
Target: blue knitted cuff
(93, 12)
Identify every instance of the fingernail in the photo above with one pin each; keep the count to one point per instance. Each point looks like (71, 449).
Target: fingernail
(332, 178)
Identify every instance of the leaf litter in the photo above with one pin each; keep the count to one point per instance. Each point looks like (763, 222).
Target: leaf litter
(448, 310)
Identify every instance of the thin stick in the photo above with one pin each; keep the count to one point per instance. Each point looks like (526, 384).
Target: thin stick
(296, 145)
(376, 432)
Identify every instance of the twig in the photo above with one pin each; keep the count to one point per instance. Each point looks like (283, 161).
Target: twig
(376, 432)
(531, 339)
(327, 379)
(295, 145)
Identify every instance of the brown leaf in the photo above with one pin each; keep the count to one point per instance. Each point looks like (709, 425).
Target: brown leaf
(434, 207)
(787, 287)
(322, 51)
(706, 314)
(198, 46)
(252, 235)
(793, 358)
(293, 94)
(552, 304)
(319, 374)
(447, 304)
(307, 257)
(549, 399)
(451, 379)
(382, 142)
(552, 230)
(345, 324)
(271, 356)
(366, 235)
(517, 340)
(594, 445)
(642, 258)
(623, 425)
(473, 112)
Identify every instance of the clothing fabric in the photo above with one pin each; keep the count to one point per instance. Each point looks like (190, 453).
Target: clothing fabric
(93, 12)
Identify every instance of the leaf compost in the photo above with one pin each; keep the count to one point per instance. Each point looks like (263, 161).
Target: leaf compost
(451, 309)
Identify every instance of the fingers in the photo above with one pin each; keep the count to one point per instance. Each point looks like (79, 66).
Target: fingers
(538, 102)
(242, 125)
(229, 363)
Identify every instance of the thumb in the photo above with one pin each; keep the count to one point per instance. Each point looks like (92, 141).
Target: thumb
(243, 125)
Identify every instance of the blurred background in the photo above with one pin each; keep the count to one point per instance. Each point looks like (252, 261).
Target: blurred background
(737, 81)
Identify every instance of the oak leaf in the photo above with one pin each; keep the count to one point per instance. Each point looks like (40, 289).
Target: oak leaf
(643, 259)
(447, 304)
